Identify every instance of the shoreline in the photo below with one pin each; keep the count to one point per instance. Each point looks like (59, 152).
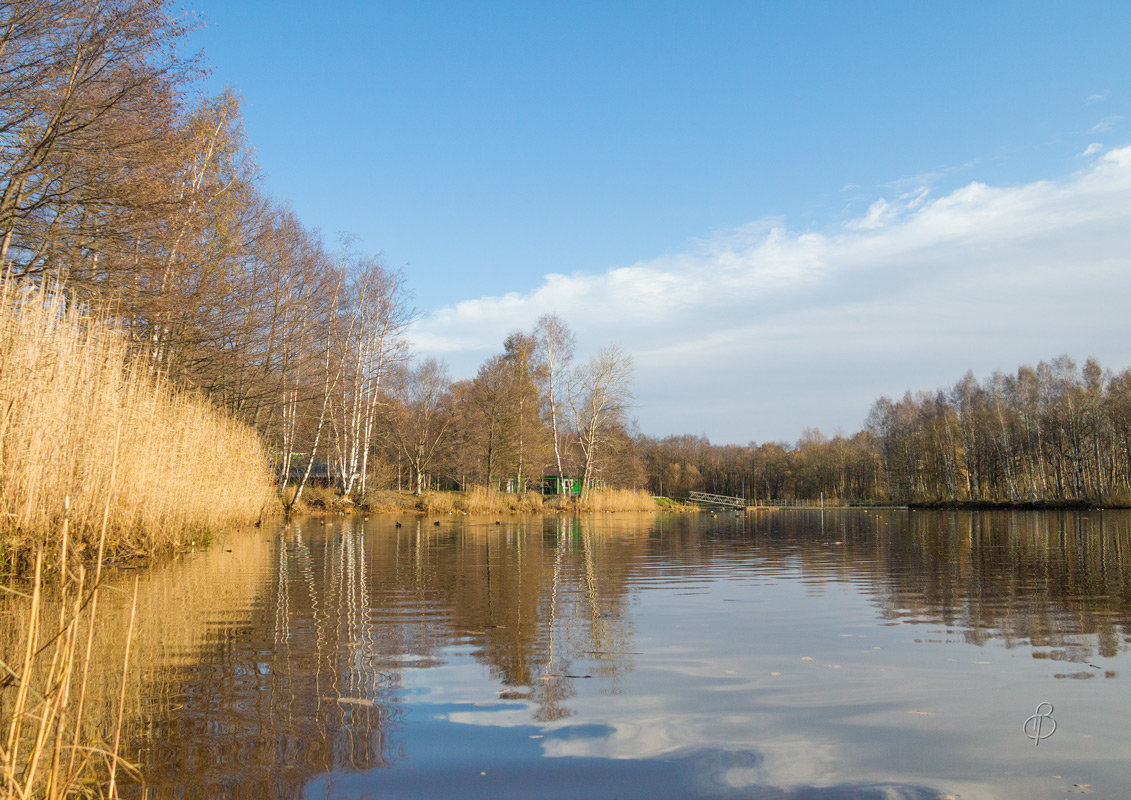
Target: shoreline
(480, 502)
(1017, 505)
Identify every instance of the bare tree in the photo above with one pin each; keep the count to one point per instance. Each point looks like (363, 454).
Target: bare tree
(555, 351)
(599, 398)
(88, 99)
(379, 316)
(523, 373)
(332, 367)
(489, 416)
(420, 415)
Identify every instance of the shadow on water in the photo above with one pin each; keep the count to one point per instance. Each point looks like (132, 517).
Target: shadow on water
(355, 658)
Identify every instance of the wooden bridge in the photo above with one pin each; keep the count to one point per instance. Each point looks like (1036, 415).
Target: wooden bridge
(705, 499)
(726, 501)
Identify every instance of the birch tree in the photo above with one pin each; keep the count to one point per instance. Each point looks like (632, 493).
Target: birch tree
(555, 350)
(380, 314)
(332, 368)
(599, 398)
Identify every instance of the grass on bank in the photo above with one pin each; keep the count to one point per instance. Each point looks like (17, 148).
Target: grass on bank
(90, 431)
(478, 500)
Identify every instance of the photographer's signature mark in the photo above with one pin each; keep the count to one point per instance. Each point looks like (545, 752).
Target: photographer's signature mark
(1041, 725)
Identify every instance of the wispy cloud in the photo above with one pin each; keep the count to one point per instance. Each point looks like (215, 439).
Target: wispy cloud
(1092, 149)
(758, 333)
(1097, 97)
(879, 214)
(1107, 123)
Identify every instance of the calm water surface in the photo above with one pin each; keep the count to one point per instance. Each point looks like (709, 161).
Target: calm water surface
(791, 654)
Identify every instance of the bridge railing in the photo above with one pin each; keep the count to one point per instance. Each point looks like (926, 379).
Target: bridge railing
(726, 501)
(704, 498)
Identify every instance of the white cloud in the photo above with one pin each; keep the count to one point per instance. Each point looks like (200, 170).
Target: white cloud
(1097, 97)
(879, 214)
(1092, 149)
(760, 332)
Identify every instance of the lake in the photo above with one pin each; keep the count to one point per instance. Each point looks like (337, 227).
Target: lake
(786, 654)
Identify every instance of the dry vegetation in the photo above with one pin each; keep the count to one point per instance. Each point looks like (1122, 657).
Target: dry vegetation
(87, 425)
(71, 673)
(616, 500)
(478, 500)
(48, 749)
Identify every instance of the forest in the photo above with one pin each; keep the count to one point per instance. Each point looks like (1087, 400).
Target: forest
(1059, 432)
(127, 189)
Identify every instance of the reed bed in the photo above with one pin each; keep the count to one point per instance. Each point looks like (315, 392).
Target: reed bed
(91, 431)
(610, 500)
(477, 500)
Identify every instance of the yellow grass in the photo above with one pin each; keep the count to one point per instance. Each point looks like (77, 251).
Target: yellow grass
(477, 500)
(436, 503)
(616, 500)
(87, 423)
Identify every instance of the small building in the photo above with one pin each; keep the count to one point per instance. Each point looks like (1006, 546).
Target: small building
(319, 471)
(564, 485)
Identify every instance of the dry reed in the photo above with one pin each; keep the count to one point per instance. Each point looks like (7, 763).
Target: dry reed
(477, 500)
(75, 399)
(611, 500)
(48, 750)
(436, 503)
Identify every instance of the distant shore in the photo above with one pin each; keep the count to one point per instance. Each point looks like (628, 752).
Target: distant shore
(1016, 505)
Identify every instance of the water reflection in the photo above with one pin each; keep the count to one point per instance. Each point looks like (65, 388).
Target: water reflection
(304, 685)
(835, 654)
(309, 678)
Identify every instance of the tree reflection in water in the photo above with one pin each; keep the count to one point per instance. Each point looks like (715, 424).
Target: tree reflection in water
(266, 662)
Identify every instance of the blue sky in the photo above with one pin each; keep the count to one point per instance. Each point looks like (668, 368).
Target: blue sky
(782, 210)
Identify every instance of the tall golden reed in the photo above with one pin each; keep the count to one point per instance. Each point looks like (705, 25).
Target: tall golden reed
(614, 500)
(477, 500)
(76, 399)
(46, 747)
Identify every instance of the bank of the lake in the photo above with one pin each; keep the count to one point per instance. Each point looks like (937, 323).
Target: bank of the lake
(1020, 505)
(479, 500)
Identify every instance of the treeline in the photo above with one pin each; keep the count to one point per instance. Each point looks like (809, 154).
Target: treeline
(125, 187)
(839, 469)
(1056, 433)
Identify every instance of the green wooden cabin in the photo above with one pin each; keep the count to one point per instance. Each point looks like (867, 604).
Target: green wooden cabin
(561, 484)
